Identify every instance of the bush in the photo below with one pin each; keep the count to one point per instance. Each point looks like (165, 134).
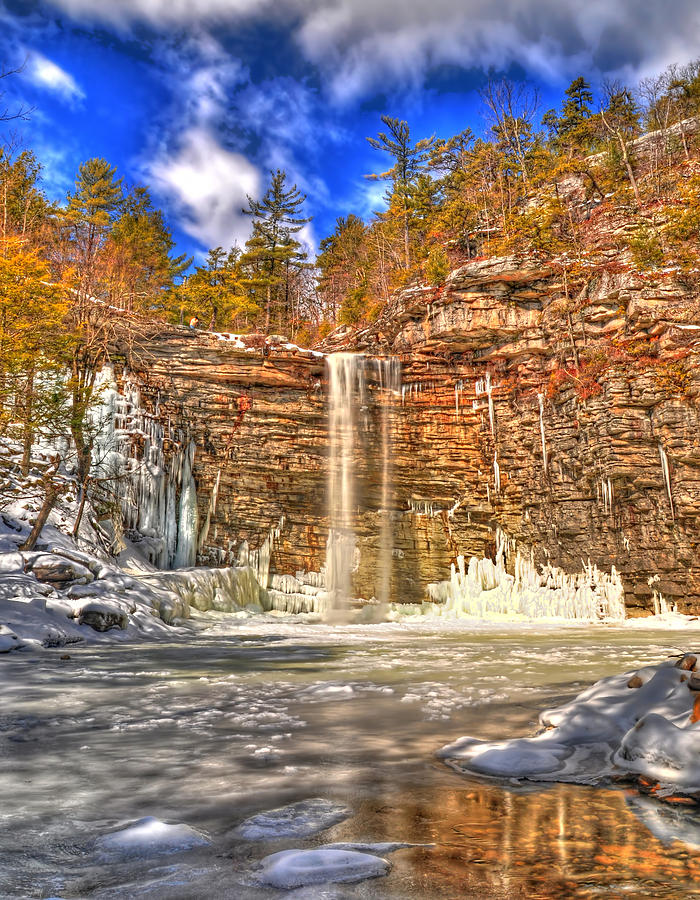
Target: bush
(437, 267)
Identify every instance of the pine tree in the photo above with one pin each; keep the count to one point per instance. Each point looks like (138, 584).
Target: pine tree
(86, 224)
(342, 263)
(411, 160)
(138, 268)
(214, 292)
(271, 253)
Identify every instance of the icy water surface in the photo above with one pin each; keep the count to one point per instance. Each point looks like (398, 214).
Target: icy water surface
(251, 716)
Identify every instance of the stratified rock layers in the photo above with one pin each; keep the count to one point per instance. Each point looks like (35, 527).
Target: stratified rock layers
(495, 426)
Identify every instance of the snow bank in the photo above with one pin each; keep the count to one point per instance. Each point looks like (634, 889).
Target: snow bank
(642, 725)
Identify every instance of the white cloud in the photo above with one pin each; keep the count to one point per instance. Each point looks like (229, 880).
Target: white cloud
(47, 75)
(208, 185)
(161, 12)
(361, 46)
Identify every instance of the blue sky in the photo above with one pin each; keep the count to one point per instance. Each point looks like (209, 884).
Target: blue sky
(199, 99)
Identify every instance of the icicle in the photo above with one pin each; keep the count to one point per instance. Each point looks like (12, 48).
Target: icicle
(485, 589)
(607, 493)
(667, 478)
(496, 473)
(540, 399)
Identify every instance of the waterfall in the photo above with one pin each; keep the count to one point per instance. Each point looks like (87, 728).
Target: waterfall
(348, 397)
(389, 373)
(347, 393)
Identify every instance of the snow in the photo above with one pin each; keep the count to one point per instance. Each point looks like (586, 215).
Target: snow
(641, 724)
(297, 868)
(149, 837)
(296, 820)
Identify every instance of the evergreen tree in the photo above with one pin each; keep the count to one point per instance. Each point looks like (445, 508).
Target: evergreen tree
(23, 207)
(138, 266)
(571, 130)
(410, 161)
(214, 292)
(342, 263)
(272, 254)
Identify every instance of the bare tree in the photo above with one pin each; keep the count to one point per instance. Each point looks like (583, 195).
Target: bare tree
(512, 108)
(21, 112)
(620, 117)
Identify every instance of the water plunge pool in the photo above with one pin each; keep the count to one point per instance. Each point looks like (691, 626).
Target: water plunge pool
(248, 716)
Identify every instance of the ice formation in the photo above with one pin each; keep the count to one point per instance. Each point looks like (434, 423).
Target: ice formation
(149, 837)
(667, 478)
(540, 400)
(484, 386)
(297, 868)
(641, 725)
(607, 492)
(483, 589)
(159, 496)
(296, 820)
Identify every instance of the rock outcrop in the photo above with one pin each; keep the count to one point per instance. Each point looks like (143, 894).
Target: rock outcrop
(572, 426)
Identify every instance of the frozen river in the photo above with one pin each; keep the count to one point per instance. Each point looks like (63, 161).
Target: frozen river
(247, 716)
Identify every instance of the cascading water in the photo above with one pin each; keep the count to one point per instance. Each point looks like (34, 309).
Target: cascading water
(347, 393)
(348, 396)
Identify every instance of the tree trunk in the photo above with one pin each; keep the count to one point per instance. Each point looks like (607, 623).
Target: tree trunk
(81, 509)
(28, 431)
(267, 311)
(406, 249)
(628, 166)
(51, 495)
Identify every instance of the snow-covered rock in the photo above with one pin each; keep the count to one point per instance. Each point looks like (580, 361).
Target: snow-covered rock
(149, 837)
(101, 616)
(8, 640)
(297, 868)
(296, 820)
(641, 724)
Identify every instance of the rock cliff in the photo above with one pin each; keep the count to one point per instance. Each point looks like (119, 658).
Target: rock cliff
(569, 422)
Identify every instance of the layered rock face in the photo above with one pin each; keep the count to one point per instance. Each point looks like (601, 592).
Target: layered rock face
(495, 427)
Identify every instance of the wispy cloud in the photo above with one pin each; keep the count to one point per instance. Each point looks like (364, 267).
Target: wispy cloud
(208, 184)
(46, 75)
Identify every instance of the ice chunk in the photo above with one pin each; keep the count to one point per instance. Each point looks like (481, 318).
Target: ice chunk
(297, 868)
(296, 820)
(150, 837)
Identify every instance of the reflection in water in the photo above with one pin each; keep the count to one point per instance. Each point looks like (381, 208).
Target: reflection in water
(559, 842)
(213, 731)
